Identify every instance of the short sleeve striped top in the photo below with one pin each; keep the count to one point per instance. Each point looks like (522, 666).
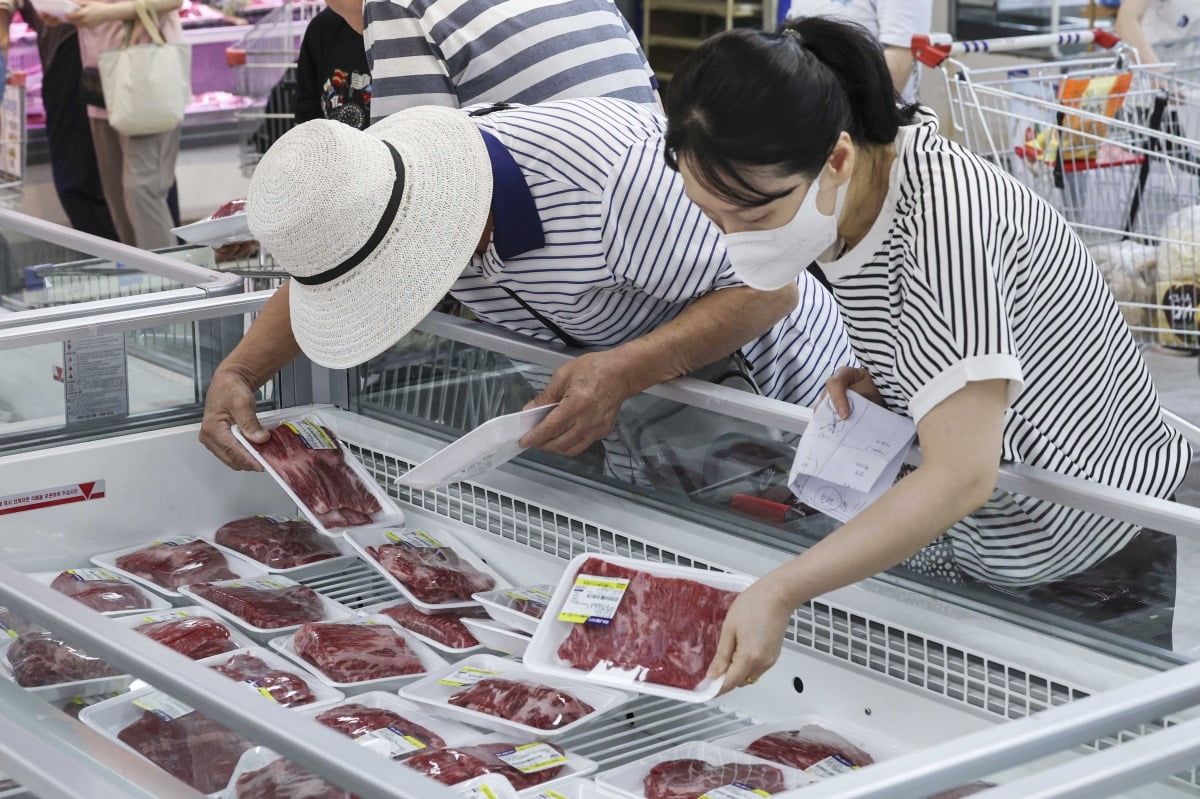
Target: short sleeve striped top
(967, 275)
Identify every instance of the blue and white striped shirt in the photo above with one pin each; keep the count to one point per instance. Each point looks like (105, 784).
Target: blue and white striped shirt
(459, 52)
(624, 249)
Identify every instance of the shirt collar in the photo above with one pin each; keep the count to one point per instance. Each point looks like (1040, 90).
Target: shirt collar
(516, 225)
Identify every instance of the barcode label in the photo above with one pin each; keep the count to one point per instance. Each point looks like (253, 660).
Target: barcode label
(418, 539)
(531, 758)
(831, 766)
(593, 600)
(92, 575)
(311, 434)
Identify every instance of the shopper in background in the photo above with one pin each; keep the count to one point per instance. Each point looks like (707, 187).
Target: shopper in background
(137, 172)
(1146, 24)
(332, 79)
(974, 308)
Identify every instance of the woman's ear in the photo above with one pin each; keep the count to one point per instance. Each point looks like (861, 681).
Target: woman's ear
(838, 171)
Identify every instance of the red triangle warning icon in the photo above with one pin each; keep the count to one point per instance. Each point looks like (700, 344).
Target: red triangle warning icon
(86, 488)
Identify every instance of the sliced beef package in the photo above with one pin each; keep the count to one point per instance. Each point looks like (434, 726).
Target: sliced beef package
(690, 779)
(436, 575)
(666, 625)
(527, 703)
(100, 591)
(357, 720)
(264, 606)
(445, 628)
(285, 687)
(277, 543)
(37, 658)
(197, 637)
(811, 747)
(192, 748)
(452, 765)
(310, 459)
(348, 653)
(172, 564)
(283, 779)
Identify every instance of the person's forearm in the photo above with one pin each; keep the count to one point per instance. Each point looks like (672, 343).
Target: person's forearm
(1128, 25)
(900, 65)
(268, 345)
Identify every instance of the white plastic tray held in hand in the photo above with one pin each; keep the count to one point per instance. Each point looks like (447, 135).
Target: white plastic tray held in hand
(542, 654)
(453, 733)
(238, 565)
(390, 513)
(629, 780)
(438, 645)
(360, 538)
(435, 690)
(498, 637)
(430, 660)
(333, 611)
(64, 691)
(324, 695)
(489, 445)
(236, 636)
(153, 600)
(877, 746)
(339, 560)
(213, 232)
(499, 605)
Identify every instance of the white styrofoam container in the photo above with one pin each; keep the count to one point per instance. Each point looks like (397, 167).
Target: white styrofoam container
(498, 605)
(574, 788)
(318, 567)
(240, 566)
(215, 232)
(390, 513)
(575, 769)
(542, 654)
(323, 695)
(334, 611)
(877, 746)
(133, 621)
(155, 601)
(628, 780)
(498, 637)
(438, 645)
(450, 731)
(431, 691)
(63, 691)
(432, 662)
(362, 537)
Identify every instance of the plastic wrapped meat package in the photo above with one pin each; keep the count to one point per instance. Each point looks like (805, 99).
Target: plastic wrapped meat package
(355, 652)
(267, 604)
(37, 659)
(693, 770)
(523, 765)
(519, 608)
(283, 779)
(252, 667)
(392, 727)
(100, 590)
(178, 562)
(445, 630)
(532, 704)
(191, 747)
(812, 748)
(275, 542)
(196, 637)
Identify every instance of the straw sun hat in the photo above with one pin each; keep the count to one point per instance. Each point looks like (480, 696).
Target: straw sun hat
(370, 254)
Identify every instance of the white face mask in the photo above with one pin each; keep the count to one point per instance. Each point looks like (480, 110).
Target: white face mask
(771, 259)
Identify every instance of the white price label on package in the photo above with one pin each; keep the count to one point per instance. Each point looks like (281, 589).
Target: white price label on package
(735, 790)
(260, 585)
(165, 707)
(531, 758)
(178, 540)
(311, 434)
(92, 575)
(487, 786)
(535, 595)
(593, 600)
(390, 741)
(468, 676)
(830, 766)
(550, 794)
(166, 615)
(417, 539)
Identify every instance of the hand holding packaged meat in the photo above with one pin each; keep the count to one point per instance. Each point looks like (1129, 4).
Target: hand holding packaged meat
(435, 575)
(444, 628)
(171, 564)
(452, 765)
(350, 653)
(283, 779)
(192, 748)
(276, 543)
(286, 688)
(265, 604)
(356, 720)
(813, 748)
(196, 637)
(99, 590)
(230, 208)
(531, 704)
(37, 659)
(690, 779)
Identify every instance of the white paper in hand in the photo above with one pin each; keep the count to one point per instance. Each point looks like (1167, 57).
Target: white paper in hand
(491, 444)
(57, 8)
(843, 465)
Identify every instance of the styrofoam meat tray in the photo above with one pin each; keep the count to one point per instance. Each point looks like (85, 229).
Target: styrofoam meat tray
(574, 788)
(307, 569)
(378, 535)
(879, 747)
(576, 768)
(438, 645)
(240, 566)
(450, 731)
(63, 691)
(498, 604)
(498, 637)
(432, 662)
(542, 653)
(324, 694)
(216, 232)
(334, 611)
(628, 780)
(133, 621)
(390, 513)
(435, 690)
(156, 601)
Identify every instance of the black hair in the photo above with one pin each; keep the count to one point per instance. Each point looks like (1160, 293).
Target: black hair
(779, 100)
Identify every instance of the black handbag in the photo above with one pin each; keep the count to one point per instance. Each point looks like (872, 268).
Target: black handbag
(90, 89)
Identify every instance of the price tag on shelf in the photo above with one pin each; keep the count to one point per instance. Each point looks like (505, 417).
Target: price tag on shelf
(593, 600)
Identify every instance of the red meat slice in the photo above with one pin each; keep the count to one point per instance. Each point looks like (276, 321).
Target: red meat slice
(101, 595)
(436, 575)
(278, 544)
(526, 703)
(286, 688)
(452, 765)
(267, 608)
(283, 779)
(808, 746)
(320, 477)
(357, 720)
(445, 628)
(529, 607)
(38, 659)
(691, 779)
(197, 637)
(192, 748)
(668, 626)
(173, 565)
(229, 209)
(356, 652)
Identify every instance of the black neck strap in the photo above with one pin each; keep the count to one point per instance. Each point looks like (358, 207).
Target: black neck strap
(381, 230)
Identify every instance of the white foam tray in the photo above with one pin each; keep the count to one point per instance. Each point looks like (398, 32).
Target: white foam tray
(64, 691)
(324, 695)
(879, 747)
(156, 601)
(362, 537)
(453, 733)
(576, 767)
(215, 232)
(133, 621)
(495, 602)
(498, 637)
(240, 566)
(628, 780)
(307, 569)
(334, 611)
(430, 691)
(438, 645)
(542, 654)
(574, 788)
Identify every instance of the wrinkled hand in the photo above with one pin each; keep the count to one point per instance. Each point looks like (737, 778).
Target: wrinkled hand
(752, 635)
(850, 378)
(230, 400)
(589, 390)
(236, 251)
(90, 14)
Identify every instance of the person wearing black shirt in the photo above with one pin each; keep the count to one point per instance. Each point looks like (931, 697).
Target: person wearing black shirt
(332, 77)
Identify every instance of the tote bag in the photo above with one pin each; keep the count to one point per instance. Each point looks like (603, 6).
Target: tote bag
(146, 86)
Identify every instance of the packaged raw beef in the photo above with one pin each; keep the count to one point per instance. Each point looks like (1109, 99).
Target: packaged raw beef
(196, 636)
(445, 628)
(349, 653)
(100, 590)
(690, 779)
(452, 765)
(265, 603)
(191, 747)
(277, 543)
(529, 602)
(172, 563)
(667, 626)
(357, 720)
(963, 790)
(37, 658)
(309, 458)
(282, 779)
(12, 625)
(436, 575)
(229, 209)
(531, 704)
(813, 748)
(285, 687)
(75, 705)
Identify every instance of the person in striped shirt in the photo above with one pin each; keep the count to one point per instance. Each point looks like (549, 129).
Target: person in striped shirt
(973, 307)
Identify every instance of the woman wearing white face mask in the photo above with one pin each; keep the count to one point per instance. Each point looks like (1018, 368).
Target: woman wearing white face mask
(972, 306)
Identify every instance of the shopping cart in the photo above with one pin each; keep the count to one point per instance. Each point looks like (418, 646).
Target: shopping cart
(1111, 144)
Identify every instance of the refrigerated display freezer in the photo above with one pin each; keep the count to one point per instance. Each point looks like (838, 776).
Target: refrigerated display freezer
(949, 688)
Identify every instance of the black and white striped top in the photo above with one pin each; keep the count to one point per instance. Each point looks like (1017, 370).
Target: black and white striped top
(967, 275)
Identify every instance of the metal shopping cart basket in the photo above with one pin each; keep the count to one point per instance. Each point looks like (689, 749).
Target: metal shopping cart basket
(1112, 145)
